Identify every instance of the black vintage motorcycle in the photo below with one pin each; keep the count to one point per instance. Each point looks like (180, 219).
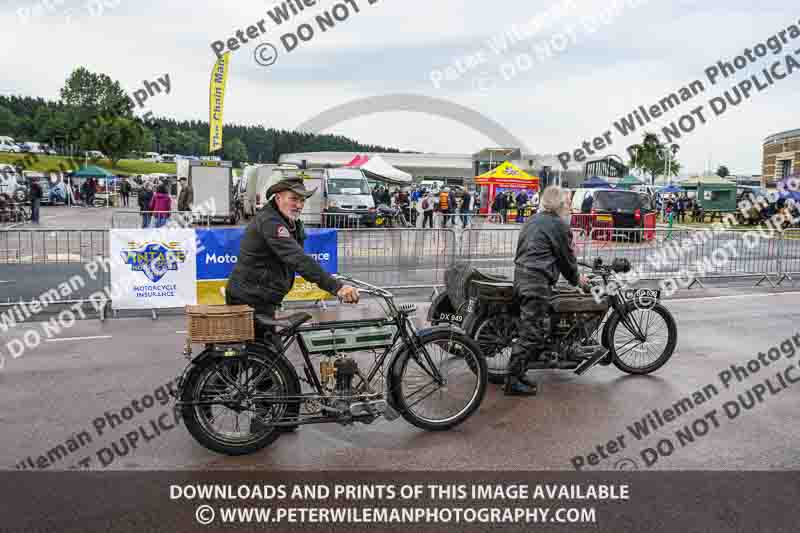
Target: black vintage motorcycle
(629, 328)
(237, 398)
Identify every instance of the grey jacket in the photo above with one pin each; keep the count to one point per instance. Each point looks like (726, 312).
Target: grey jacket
(545, 247)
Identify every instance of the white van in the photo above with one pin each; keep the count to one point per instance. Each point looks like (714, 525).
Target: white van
(33, 148)
(253, 186)
(168, 158)
(343, 196)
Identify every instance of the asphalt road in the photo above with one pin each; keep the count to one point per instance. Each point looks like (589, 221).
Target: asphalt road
(74, 387)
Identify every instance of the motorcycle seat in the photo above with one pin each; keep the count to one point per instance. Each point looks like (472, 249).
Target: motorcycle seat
(493, 291)
(287, 324)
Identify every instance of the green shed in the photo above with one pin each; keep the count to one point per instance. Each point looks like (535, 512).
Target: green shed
(712, 192)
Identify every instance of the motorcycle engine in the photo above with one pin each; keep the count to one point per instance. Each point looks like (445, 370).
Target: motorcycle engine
(346, 368)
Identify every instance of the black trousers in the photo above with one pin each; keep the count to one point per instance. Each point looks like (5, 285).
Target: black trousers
(427, 218)
(262, 334)
(532, 292)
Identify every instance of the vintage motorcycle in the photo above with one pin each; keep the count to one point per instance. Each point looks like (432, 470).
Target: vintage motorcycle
(629, 328)
(236, 398)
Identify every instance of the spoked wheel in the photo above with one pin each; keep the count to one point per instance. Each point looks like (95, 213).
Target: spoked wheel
(230, 420)
(441, 382)
(495, 335)
(634, 355)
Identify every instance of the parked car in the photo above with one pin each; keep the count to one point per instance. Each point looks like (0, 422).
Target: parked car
(33, 147)
(622, 209)
(95, 154)
(5, 147)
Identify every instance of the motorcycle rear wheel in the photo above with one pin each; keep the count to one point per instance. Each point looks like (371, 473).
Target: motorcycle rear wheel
(494, 334)
(217, 378)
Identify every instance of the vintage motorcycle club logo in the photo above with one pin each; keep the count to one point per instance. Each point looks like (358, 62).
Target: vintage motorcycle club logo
(154, 259)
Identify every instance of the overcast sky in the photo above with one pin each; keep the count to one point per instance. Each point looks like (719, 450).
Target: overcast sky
(644, 50)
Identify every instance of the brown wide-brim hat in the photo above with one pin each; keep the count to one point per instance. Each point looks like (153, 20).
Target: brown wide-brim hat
(296, 185)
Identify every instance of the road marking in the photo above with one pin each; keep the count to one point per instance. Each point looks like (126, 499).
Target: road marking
(181, 332)
(79, 338)
(732, 296)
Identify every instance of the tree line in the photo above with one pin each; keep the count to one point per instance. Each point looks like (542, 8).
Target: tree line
(94, 113)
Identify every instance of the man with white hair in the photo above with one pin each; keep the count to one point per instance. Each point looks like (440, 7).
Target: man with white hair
(544, 250)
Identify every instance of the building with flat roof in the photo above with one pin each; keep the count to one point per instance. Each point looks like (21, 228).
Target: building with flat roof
(453, 169)
(781, 157)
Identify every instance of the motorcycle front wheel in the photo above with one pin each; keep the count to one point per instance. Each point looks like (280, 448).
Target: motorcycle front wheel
(636, 356)
(440, 382)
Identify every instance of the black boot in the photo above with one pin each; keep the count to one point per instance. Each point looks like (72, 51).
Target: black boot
(516, 382)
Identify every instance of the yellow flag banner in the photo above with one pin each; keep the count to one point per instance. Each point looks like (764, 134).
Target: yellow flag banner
(219, 77)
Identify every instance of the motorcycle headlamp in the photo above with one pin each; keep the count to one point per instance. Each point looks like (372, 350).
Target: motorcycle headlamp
(621, 265)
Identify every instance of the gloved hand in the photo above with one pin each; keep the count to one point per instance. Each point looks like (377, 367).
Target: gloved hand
(583, 283)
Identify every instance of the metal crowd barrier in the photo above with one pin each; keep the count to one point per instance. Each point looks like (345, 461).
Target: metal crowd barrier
(397, 258)
(34, 261)
(491, 250)
(341, 220)
(692, 254)
(456, 220)
(121, 219)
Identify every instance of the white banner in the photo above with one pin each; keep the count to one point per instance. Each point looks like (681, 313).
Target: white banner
(153, 268)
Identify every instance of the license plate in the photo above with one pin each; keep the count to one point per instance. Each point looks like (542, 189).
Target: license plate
(451, 317)
(643, 298)
(604, 218)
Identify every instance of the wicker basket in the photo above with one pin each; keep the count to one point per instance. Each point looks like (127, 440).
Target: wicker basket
(210, 324)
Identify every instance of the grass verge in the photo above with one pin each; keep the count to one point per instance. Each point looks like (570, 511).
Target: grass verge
(125, 167)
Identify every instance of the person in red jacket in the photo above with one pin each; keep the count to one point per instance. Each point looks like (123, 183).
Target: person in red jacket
(161, 205)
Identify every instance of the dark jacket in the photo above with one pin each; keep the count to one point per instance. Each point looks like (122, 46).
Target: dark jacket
(186, 198)
(545, 247)
(144, 199)
(499, 202)
(36, 191)
(586, 206)
(270, 254)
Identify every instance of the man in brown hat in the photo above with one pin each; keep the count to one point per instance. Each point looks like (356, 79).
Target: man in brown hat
(272, 251)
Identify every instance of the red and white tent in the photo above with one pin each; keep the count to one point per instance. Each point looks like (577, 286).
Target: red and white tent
(377, 168)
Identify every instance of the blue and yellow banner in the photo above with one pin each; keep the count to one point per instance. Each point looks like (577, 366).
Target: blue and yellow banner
(220, 251)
